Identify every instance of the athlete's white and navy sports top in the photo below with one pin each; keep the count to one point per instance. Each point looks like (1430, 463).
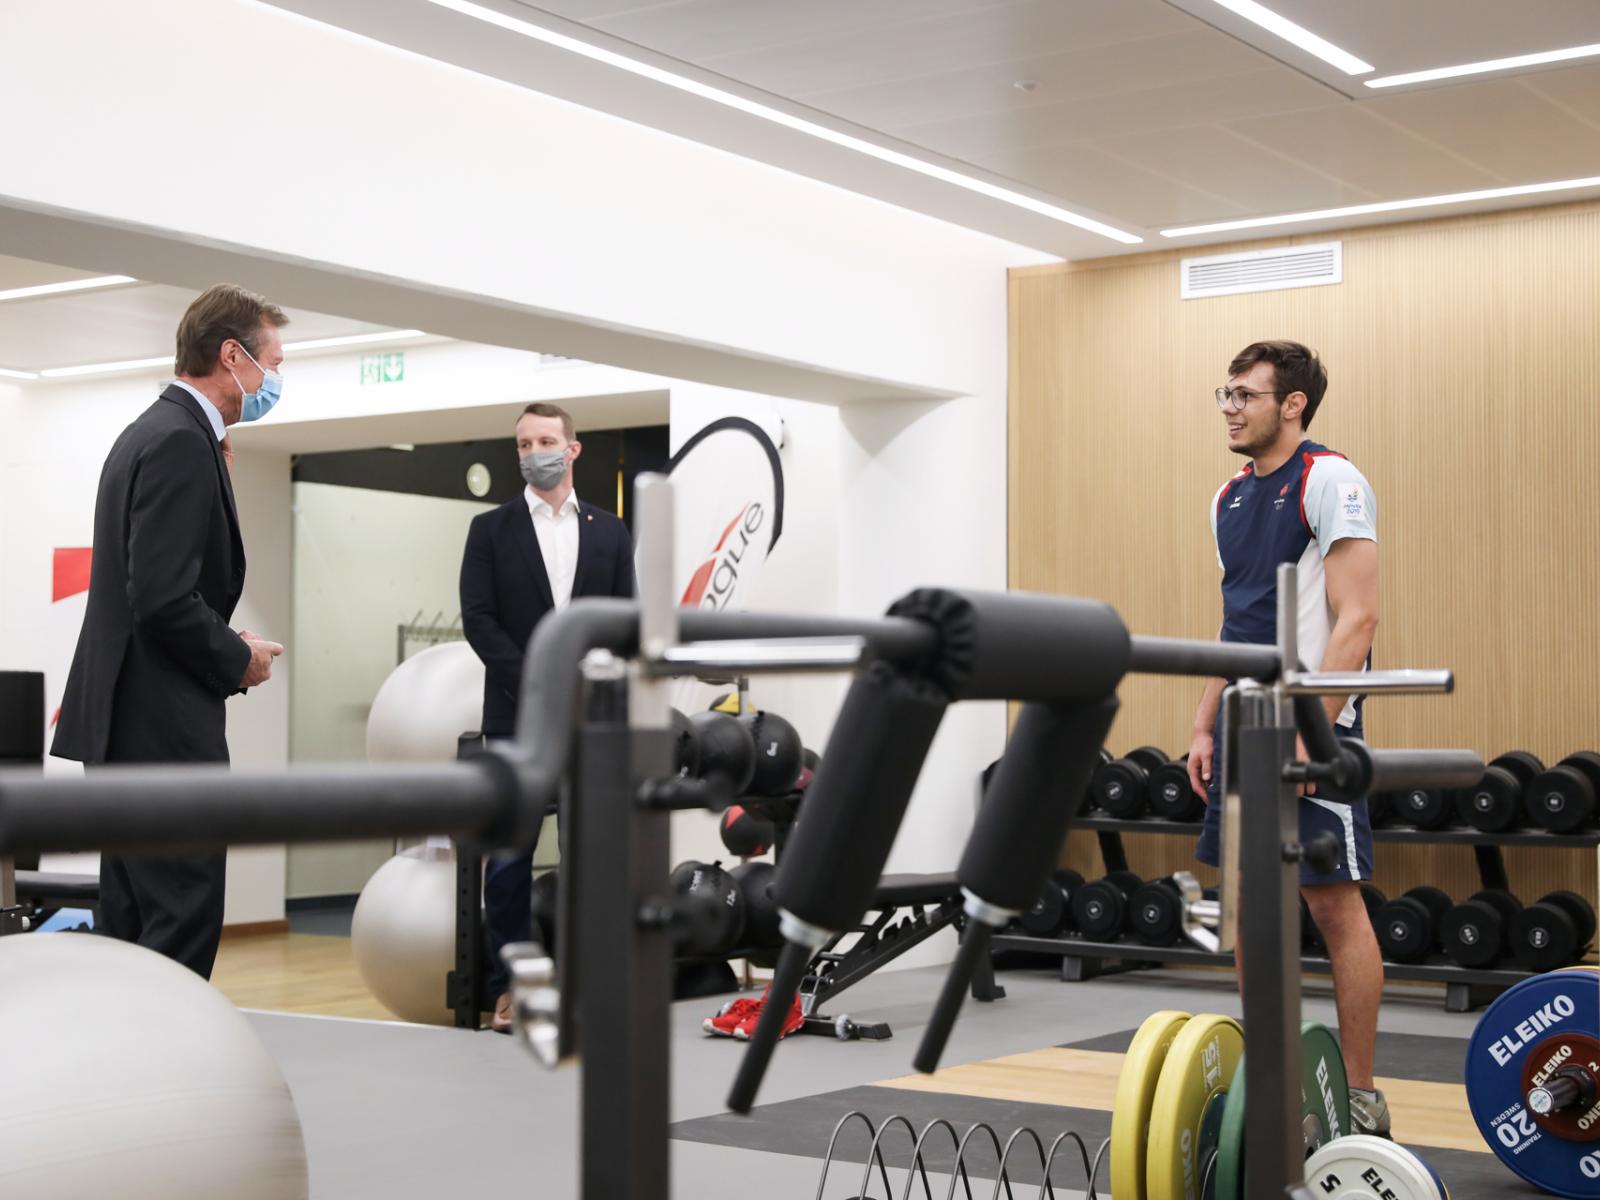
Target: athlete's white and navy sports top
(1293, 515)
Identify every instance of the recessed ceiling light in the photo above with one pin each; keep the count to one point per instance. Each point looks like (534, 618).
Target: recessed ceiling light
(142, 364)
(70, 285)
(1485, 67)
(1298, 35)
(6, 374)
(766, 112)
(1361, 210)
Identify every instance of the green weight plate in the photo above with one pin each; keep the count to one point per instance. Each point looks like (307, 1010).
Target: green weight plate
(1324, 1105)
(1199, 1067)
(1136, 1093)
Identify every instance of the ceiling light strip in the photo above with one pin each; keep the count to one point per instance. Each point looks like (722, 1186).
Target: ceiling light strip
(778, 117)
(1361, 210)
(1298, 35)
(70, 285)
(142, 364)
(1514, 63)
(9, 374)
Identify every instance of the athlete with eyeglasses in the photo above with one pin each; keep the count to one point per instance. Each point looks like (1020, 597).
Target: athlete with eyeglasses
(1299, 502)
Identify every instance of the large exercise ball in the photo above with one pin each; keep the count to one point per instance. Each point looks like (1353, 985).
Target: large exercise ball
(124, 1074)
(427, 702)
(403, 933)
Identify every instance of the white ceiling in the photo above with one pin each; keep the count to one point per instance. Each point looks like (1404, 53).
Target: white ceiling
(1146, 114)
(111, 324)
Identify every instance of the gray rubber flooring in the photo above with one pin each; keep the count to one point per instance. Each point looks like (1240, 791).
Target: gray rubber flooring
(394, 1112)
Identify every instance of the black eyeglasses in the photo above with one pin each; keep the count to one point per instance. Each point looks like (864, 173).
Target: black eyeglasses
(1234, 399)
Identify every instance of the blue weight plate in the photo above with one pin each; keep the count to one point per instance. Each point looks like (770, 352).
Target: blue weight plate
(1528, 1026)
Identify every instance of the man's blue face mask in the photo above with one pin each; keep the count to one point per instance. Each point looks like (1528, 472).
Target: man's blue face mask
(258, 403)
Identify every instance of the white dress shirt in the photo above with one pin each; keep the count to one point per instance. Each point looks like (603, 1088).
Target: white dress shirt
(206, 407)
(557, 533)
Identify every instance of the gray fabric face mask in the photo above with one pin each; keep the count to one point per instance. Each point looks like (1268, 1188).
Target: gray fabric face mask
(543, 469)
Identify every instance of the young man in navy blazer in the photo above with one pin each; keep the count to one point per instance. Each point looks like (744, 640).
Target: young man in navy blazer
(530, 557)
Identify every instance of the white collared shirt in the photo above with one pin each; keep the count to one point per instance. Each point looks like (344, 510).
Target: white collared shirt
(557, 533)
(206, 407)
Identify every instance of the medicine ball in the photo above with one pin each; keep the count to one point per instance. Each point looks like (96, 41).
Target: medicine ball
(708, 910)
(685, 746)
(744, 833)
(727, 751)
(778, 754)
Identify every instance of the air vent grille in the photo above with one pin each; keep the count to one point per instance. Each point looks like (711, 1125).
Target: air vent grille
(1262, 270)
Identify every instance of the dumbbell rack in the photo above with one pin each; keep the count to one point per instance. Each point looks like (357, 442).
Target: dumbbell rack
(1466, 988)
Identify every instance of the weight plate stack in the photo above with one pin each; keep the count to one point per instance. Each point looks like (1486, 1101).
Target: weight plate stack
(1494, 803)
(1533, 1081)
(1563, 799)
(1408, 928)
(1361, 1167)
(1172, 797)
(1191, 1097)
(1552, 932)
(1324, 1107)
(1135, 1096)
(1477, 932)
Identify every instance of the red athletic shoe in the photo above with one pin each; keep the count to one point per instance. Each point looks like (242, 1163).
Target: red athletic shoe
(730, 1015)
(791, 1023)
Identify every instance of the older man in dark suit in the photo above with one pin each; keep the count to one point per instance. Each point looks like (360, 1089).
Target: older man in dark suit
(156, 660)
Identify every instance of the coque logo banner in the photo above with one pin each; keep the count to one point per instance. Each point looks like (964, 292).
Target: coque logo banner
(728, 487)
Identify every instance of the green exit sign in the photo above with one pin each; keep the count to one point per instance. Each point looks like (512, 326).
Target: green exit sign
(383, 368)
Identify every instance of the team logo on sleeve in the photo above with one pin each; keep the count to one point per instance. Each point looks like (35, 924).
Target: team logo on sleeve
(1354, 500)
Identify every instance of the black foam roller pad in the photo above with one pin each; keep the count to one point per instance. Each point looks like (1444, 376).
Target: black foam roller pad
(21, 716)
(832, 863)
(1020, 646)
(1036, 792)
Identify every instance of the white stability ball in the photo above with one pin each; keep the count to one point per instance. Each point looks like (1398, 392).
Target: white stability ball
(124, 1074)
(427, 702)
(403, 933)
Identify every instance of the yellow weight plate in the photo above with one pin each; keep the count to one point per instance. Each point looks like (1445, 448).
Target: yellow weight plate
(1136, 1092)
(1184, 1125)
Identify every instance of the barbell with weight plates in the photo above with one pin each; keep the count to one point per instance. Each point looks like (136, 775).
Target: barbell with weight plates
(1533, 1080)
(1362, 1167)
(1477, 932)
(1051, 913)
(1100, 909)
(1552, 932)
(1408, 928)
(1170, 794)
(1494, 803)
(1324, 1107)
(1121, 788)
(1565, 798)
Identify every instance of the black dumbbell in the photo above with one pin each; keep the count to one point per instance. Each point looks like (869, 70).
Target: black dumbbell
(1553, 932)
(1170, 794)
(1155, 913)
(1494, 803)
(1477, 932)
(1051, 913)
(1090, 801)
(1424, 808)
(1408, 928)
(1099, 909)
(1564, 798)
(1121, 788)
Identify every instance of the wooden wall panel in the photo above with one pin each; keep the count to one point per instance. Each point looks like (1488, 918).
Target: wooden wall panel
(1464, 367)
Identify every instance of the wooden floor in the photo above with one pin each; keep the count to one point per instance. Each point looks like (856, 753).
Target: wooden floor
(1432, 1114)
(294, 973)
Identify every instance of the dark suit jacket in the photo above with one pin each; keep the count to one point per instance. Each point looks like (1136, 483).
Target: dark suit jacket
(156, 660)
(505, 591)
